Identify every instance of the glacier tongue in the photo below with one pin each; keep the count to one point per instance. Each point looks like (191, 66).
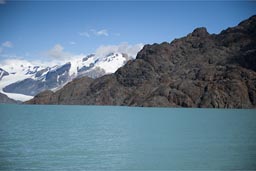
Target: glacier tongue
(19, 97)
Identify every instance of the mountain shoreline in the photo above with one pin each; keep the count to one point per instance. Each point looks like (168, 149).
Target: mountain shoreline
(199, 70)
(4, 99)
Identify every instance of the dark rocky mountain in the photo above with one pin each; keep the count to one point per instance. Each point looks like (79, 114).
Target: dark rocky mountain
(3, 73)
(199, 70)
(6, 100)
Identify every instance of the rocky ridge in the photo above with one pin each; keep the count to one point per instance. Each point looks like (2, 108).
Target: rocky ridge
(198, 70)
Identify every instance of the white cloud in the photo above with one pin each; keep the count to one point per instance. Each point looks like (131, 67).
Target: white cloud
(58, 56)
(16, 61)
(13, 62)
(7, 44)
(102, 32)
(93, 32)
(2, 1)
(86, 34)
(131, 50)
(57, 52)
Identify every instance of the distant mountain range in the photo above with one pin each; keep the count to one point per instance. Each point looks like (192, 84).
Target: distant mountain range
(27, 80)
(198, 70)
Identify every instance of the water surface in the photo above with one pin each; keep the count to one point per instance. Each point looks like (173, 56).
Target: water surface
(125, 138)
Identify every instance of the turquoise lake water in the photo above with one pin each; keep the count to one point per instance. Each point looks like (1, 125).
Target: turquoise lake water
(126, 138)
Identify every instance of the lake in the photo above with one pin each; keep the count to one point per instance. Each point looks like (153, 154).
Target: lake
(126, 138)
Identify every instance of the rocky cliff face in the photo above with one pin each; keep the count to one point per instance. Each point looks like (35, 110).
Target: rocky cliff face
(199, 70)
(6, 100)
(3, 73)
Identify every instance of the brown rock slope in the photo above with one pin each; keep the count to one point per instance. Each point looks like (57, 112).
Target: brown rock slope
(199, 70)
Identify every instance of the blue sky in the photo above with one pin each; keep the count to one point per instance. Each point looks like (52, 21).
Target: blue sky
(28, 29)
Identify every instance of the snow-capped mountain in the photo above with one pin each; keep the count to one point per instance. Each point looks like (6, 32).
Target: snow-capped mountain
(23, 80)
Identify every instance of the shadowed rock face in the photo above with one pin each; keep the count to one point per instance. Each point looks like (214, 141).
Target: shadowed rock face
(3, 73)
(6, 100)
(199, 70)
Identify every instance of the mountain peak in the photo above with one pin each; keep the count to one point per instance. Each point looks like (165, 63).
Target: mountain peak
(3, 73)
(249, 22)
(200, 32)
